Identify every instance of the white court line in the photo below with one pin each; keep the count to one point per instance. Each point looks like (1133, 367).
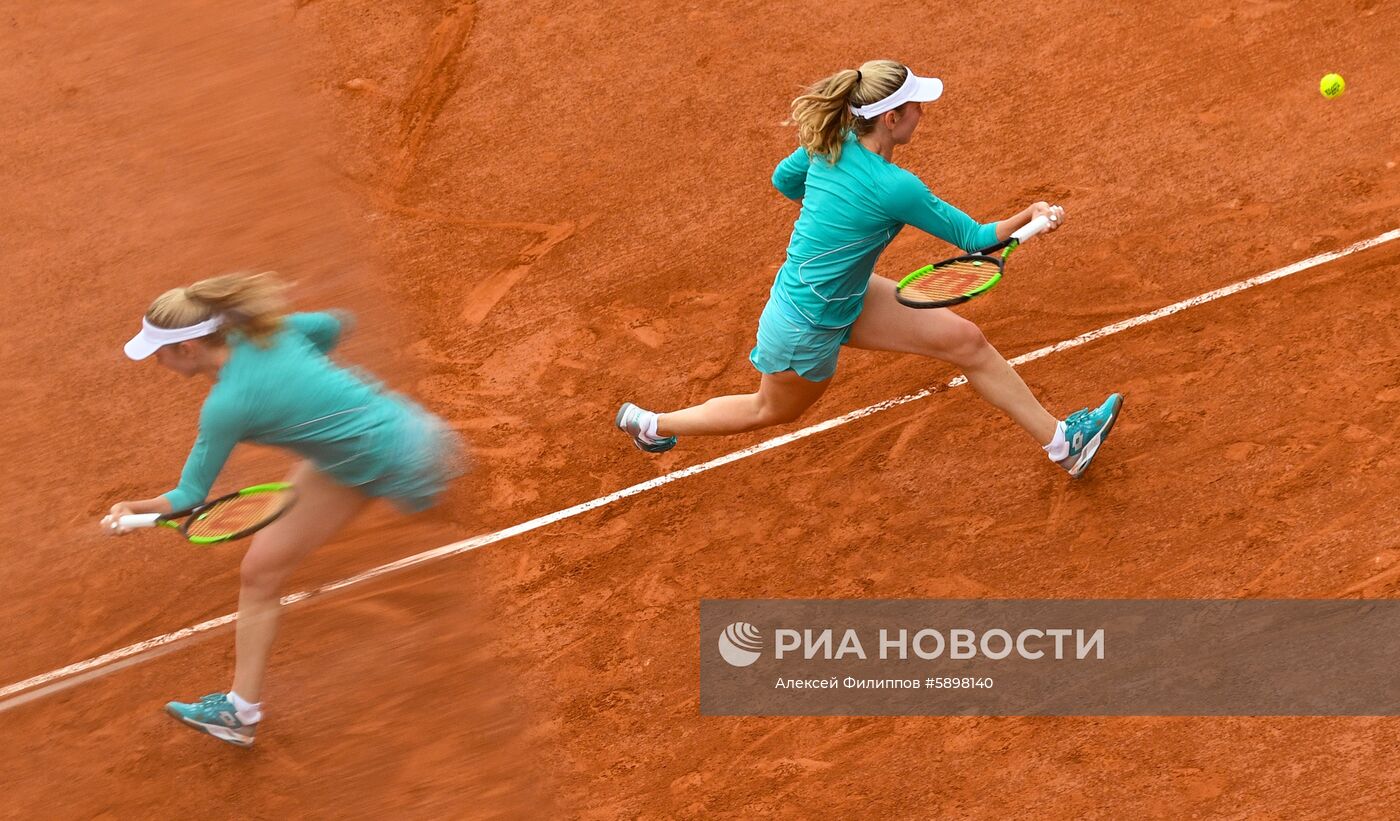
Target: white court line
(55, 679)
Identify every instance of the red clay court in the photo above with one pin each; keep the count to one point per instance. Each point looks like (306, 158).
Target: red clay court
(541, 210)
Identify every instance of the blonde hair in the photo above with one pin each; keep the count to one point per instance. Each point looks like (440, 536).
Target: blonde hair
(249, 303)
(823, 115)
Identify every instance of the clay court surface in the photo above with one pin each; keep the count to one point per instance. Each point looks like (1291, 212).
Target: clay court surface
(539, 210)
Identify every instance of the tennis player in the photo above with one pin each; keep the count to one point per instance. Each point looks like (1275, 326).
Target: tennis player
(854, 200)
(273, 384)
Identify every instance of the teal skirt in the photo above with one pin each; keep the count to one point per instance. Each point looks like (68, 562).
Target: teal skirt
(419, 456)
(786, 343)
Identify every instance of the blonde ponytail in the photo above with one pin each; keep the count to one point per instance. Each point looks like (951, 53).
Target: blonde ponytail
(823, 115)
(249, 303)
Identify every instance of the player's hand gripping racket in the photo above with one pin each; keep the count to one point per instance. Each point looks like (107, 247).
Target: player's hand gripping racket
(224, 519)
(955, 281)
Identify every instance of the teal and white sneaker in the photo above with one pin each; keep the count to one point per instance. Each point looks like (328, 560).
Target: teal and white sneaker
(215, 714)
(632, 420)
(1085, 431)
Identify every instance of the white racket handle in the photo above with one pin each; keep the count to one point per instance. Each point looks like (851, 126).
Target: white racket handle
(1031, 228)
(135, 520)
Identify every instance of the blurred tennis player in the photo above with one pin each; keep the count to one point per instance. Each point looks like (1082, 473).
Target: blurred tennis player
(274, 385)
(854, 201)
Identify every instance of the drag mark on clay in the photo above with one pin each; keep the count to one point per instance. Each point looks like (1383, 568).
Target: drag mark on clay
(433, 85)
(482, 298)
(435, 82)
(492, 289)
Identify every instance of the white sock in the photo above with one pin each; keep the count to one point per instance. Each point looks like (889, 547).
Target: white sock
(649, 427)
(1058, 449)
(247, 712)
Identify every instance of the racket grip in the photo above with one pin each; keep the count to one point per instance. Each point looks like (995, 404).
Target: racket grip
(135, 520)
(1031, 228)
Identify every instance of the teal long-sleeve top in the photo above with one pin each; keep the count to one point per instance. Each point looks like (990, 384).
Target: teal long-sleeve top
(852, 210)
(289, 394)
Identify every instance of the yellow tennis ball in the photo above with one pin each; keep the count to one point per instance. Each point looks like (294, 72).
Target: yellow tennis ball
(1332, 86)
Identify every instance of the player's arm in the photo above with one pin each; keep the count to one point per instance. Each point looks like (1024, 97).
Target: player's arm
(325, 329)
(1008, 226)
(912, 203)
(156, 504)
(790, 177)
(218, 433)
(909, 201)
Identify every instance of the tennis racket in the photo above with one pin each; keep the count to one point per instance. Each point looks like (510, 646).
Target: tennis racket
(223, 519)
(955, 281)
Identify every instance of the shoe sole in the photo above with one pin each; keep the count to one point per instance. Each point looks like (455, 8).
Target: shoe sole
(1094, 443)
(622, 411)
(224, 734)
(670, 442)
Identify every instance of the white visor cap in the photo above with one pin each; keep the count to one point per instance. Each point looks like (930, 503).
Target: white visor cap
(145, 343)
(915, 89)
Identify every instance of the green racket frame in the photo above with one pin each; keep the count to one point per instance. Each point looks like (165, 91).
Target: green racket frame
(182, 519)
(975, 259)
(982, 257)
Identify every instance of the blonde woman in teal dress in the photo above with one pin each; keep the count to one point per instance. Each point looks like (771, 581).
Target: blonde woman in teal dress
(273, 384)
(854, 200)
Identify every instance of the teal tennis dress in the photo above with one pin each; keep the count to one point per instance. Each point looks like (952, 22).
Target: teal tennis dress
(851, 210)
(286, 392)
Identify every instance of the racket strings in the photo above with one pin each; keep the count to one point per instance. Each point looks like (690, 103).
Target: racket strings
(238, 514)
(957, 279)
